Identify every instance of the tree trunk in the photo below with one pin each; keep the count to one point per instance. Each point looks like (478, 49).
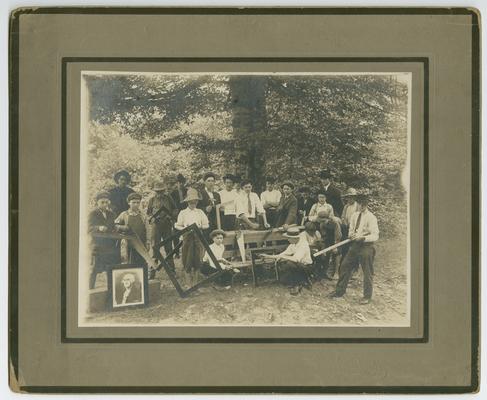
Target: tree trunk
(249, 123)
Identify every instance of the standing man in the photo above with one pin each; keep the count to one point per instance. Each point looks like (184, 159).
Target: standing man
(162, 214)
(178, 195)
(104, 250)
(249, 207)
(363, 232)
(228, 198)
(270, 200)
(331, 233)
(209, 200)
(350, 208)
(118, 195)
(287, 210)
(305, 202)
(332, 193)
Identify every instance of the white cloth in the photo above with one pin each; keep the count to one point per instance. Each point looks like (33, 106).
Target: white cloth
(242, 206)
(125, 296)
(299, 252)
(317, 207)
(268, 197)
(188, 217)
(311, 239)
(228, 199)
(368, 226)
(210, 195)
(217, 251)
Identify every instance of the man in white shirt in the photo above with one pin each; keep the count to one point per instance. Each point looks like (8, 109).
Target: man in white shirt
(350, 208)
(249, 207)
(208, 267)
(270, 200)
(321, 205)
(228, 197)
(294, 262)
(363, 232)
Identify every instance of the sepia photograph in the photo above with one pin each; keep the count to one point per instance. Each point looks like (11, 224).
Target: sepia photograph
(252, 199)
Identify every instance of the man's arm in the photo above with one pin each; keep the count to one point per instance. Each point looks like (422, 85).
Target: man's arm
(373, 230)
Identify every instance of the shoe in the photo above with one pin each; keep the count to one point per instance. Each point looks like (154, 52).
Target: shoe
(334, 295)
(364, 301)
(295, 290)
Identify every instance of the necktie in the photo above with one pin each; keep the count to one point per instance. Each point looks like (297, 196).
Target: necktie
(357, 224)
(249, 205)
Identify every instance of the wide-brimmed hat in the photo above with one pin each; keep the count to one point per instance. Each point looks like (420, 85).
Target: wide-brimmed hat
(292, 232)
(121, 173)
(323, 216)
(209, 175)
(158, 186)
(362, 198)
(180, 178)
(192, 194)
(350, 192)
(102, 195)
(134, 196)
(228, 176)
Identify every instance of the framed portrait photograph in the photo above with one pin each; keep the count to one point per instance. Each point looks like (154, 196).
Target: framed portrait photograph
(246, 187)
(127, 285)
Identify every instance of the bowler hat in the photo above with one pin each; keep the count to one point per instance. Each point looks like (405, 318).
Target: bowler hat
(102, 195)
(292, 232)
(133, 196)
(323, 216)
(290, 184)
(121, 173)
(192, 194)
(350, 192)
(209, 175)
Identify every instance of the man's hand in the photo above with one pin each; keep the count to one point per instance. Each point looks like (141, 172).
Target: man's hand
(285, 226)
(102, 228)
(358, 238)
(254, 226)
(208, 208)
(267, 225)
(122, 228)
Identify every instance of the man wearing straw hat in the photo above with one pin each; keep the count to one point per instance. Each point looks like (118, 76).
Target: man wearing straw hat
(295, 262)
(192, 251)
(363, 232)
(350, 208)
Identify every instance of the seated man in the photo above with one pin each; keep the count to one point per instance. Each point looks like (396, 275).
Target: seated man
(228, 196)
(208, 267)
(249, 207)
(270, 200)
(305, 202)
(295, 262)
(287, 211)
(321, 205)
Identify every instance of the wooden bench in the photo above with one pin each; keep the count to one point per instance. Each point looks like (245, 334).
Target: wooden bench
(243, 247)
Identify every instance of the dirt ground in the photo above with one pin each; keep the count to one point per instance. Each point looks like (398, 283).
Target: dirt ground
(271, 304)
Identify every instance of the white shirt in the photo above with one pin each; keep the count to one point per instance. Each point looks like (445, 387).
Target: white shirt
(217, 251)
(348, 211)
(310, 238)
(242, 205)
(299, 252)
(317, 207)
(188, 217)
(273, 196)
(228, 199)
(368, 226)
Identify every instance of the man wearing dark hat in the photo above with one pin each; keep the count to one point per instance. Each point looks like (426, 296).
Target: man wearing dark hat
(119, 194)
(363, 232)
(350, 208)
(178, 195)
(331, 233)
(209, 199)
(332, 193)
(104, 250)
(162, 214)
(287, 210)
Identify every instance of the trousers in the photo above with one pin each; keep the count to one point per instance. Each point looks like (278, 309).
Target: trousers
(160, 231)
(359, 254)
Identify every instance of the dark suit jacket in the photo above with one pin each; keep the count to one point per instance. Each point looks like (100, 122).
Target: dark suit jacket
(205, 202)
(164, 217)
(118, 199)
(135, 295)
(95, 220)
(177, 200)
(287, 211)
(305, 205)
(334, 197)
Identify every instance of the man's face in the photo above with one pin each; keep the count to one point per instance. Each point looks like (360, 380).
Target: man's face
(247, 188)
(305, 195)
(127, 282)
(286, 190)
(362, 206)
(134, 204)
(321, 199)
(228, 184)
(103, 204)
(210, 183)
(122, 181)
(218, 239)
(269, 186)
(350, 200)
(325, 181)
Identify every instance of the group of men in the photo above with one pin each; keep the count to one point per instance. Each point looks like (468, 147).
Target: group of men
(236, 206)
